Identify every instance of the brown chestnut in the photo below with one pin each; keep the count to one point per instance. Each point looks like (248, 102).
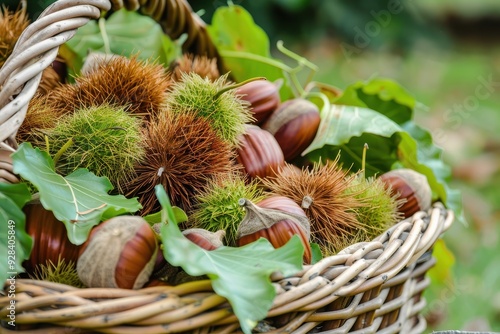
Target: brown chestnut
(277, 219)
(263, 97)
(294, 124)
(205, 239)
(259, 153)
(50, 238)
(119, 253)
(412, 187)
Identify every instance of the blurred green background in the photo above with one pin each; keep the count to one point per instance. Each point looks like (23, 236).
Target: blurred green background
(447, 54)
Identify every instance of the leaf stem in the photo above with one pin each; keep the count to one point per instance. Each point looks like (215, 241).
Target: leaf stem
(363, 160)
(356, 157)
(47, 144)
(104, 34)
(289, 72)
(239, 84)
(301, 60)
(251, 56)
(324, 99)
(63, 149)
(301, 63)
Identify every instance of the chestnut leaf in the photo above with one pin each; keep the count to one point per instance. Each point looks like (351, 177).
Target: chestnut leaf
(80, 200)
(123, 33)
(245, 47)
(180, 216)
(240, 274)
(383, 95)
(16, 243)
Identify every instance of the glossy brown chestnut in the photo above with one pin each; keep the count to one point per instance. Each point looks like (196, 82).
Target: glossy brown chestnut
(277, 219)
(205, 239)
(294, 124)
(263, 97)
(410, 186)
(119, 253)
(50, 238)
(259, 153)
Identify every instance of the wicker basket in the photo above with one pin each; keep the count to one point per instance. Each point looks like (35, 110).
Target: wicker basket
(372, 287)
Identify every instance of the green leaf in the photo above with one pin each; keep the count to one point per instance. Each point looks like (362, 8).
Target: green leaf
(16, 244)
(316, 253)
(80, 200)
(441, 272)
(124, 33)
(180, 216)
(432, 156)
(383, 95)
(346, 129)
(242, 275)
(244, 46)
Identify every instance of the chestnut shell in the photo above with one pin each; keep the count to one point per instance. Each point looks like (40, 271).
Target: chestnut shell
(50, 238)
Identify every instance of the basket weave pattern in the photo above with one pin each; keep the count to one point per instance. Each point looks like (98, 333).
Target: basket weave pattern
(371, 287)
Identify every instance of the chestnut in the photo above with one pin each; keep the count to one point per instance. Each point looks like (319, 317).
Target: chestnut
(119, 253)
(294, 125)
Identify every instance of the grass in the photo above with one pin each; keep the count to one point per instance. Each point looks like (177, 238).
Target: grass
(462, 114)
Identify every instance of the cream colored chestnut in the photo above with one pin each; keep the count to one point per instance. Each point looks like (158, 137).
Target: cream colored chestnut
(120, 253)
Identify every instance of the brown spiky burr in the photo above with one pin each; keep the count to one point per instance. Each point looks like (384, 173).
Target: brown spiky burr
(139, 86)
(202, 65)
(12, 24)
(40, 116)
(321, 192)
(182, 153)
(50, 80)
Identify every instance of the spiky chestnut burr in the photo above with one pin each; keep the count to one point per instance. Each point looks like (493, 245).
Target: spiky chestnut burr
(138, 86)
(182, 153)
(378, 212)
(39, 117)
(321, 192)
(12, 24)
(61, 271)
(214, 101)
(106, 140)
(202, 65)
(217, 205)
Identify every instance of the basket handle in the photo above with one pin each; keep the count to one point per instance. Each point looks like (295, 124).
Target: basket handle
(39, 44)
